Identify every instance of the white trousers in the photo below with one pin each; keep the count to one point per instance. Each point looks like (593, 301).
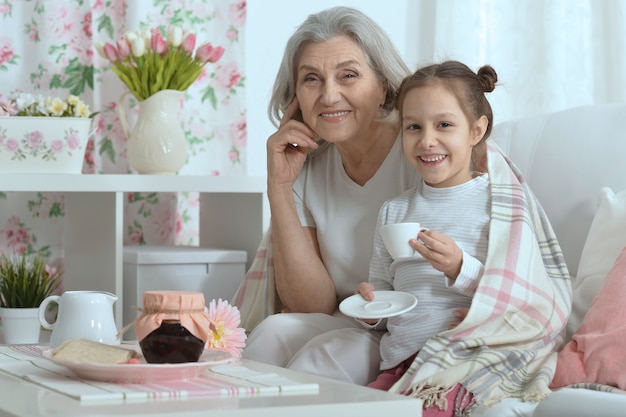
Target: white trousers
(335, 347)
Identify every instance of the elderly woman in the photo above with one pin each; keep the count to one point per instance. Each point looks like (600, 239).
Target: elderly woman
(335, 158)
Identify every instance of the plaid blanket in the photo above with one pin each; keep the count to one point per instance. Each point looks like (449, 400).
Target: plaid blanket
(256, 297)
(506, 345)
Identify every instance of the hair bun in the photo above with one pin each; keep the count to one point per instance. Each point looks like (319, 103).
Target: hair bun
(488, 78)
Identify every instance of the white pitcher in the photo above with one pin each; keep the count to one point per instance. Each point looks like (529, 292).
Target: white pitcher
(81, 315)
(157, 143)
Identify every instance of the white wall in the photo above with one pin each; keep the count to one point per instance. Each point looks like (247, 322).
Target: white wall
(269, 24)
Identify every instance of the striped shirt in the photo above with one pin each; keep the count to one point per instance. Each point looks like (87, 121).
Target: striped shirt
(461, 212)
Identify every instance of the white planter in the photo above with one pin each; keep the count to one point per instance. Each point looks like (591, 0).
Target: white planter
(20, 325)
(43, 144)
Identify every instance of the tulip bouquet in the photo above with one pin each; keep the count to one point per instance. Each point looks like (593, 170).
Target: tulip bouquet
(147, 62)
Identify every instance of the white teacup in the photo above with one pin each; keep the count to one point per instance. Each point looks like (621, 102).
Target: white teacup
(396, 237)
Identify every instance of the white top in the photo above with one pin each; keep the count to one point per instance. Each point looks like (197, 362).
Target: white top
(344, 212)
(462, 213)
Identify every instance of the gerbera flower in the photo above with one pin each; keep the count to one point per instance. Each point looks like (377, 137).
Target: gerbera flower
(224, 331)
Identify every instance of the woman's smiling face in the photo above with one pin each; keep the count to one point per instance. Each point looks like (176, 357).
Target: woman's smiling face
(338, 91)
(437, 136)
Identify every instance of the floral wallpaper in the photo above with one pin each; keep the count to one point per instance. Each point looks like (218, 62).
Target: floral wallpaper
(49, 47)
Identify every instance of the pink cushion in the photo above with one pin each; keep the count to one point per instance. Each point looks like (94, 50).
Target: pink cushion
(597, 351)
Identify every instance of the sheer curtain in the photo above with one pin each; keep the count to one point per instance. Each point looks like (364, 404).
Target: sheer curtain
(549, 55)
(48, 47)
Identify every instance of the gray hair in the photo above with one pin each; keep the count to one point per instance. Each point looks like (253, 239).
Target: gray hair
(381, 55)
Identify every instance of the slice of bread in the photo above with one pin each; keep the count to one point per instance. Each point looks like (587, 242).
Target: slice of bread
(84, 350)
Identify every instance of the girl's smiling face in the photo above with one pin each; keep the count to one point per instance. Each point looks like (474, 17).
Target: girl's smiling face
(437, 136)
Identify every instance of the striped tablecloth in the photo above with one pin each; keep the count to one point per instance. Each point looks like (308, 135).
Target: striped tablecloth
(25, 362)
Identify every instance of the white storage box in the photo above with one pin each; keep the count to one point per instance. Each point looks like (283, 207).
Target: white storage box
(215, 272)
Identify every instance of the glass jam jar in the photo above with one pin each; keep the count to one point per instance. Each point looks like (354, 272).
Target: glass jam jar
(173, 326)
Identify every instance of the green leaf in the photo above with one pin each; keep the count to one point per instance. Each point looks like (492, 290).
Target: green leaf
(106, 148)
(57, 49)
(209, 94)
(77, 76)
(55, 81)
(56, 210)
(24, 281)
(104, 23)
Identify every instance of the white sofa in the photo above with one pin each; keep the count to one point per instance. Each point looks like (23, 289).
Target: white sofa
(573, 161)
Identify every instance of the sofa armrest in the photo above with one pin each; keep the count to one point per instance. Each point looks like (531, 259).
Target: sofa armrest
(581, 402)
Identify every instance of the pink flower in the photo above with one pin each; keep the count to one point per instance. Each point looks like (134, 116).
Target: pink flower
(228, 75)
(110, 52)
(35, 139)
(73, 141)
(189, 43)
(237, 12)
(123, 48)
(6, 53)
(8, 108)
(56, 146)
(207, 53)
(239, 133)
(180, 222)
(11, 145)
(157, 43)
(16, 235)
(135, 237)
(50, 270)
(87, 25)
(224, 333)
(32, 33)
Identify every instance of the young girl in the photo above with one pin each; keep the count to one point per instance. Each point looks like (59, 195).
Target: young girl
(446, 119)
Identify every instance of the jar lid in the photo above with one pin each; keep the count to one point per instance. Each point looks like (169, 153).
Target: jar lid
(173, 300)
(188, 307)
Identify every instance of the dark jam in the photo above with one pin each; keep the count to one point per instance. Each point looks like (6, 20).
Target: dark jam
(171, 343)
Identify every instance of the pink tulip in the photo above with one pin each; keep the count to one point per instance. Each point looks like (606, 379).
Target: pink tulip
(157, 43)
(123, 48)
(189, 43)
(207, 53)
(110, 52)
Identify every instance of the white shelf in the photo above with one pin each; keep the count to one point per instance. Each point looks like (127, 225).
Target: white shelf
(234, 214)
(130, 183)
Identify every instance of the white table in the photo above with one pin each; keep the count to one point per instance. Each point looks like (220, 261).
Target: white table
(24, 399)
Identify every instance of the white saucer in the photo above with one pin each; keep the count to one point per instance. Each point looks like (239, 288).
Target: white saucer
(385, 304)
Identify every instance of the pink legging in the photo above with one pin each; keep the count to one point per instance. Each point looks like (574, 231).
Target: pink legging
(387, 378)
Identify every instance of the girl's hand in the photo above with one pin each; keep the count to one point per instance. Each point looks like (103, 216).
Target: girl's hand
(367, 292)
(460, 314)
(440, 250)
(288, 147)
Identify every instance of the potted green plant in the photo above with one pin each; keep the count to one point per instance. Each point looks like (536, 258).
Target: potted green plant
(25, 281)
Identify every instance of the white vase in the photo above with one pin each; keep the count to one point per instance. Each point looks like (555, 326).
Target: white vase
(20, 325)
(157, 143)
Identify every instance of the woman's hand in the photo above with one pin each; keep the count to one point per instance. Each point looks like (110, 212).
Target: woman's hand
(440, 250)
(288, 147)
